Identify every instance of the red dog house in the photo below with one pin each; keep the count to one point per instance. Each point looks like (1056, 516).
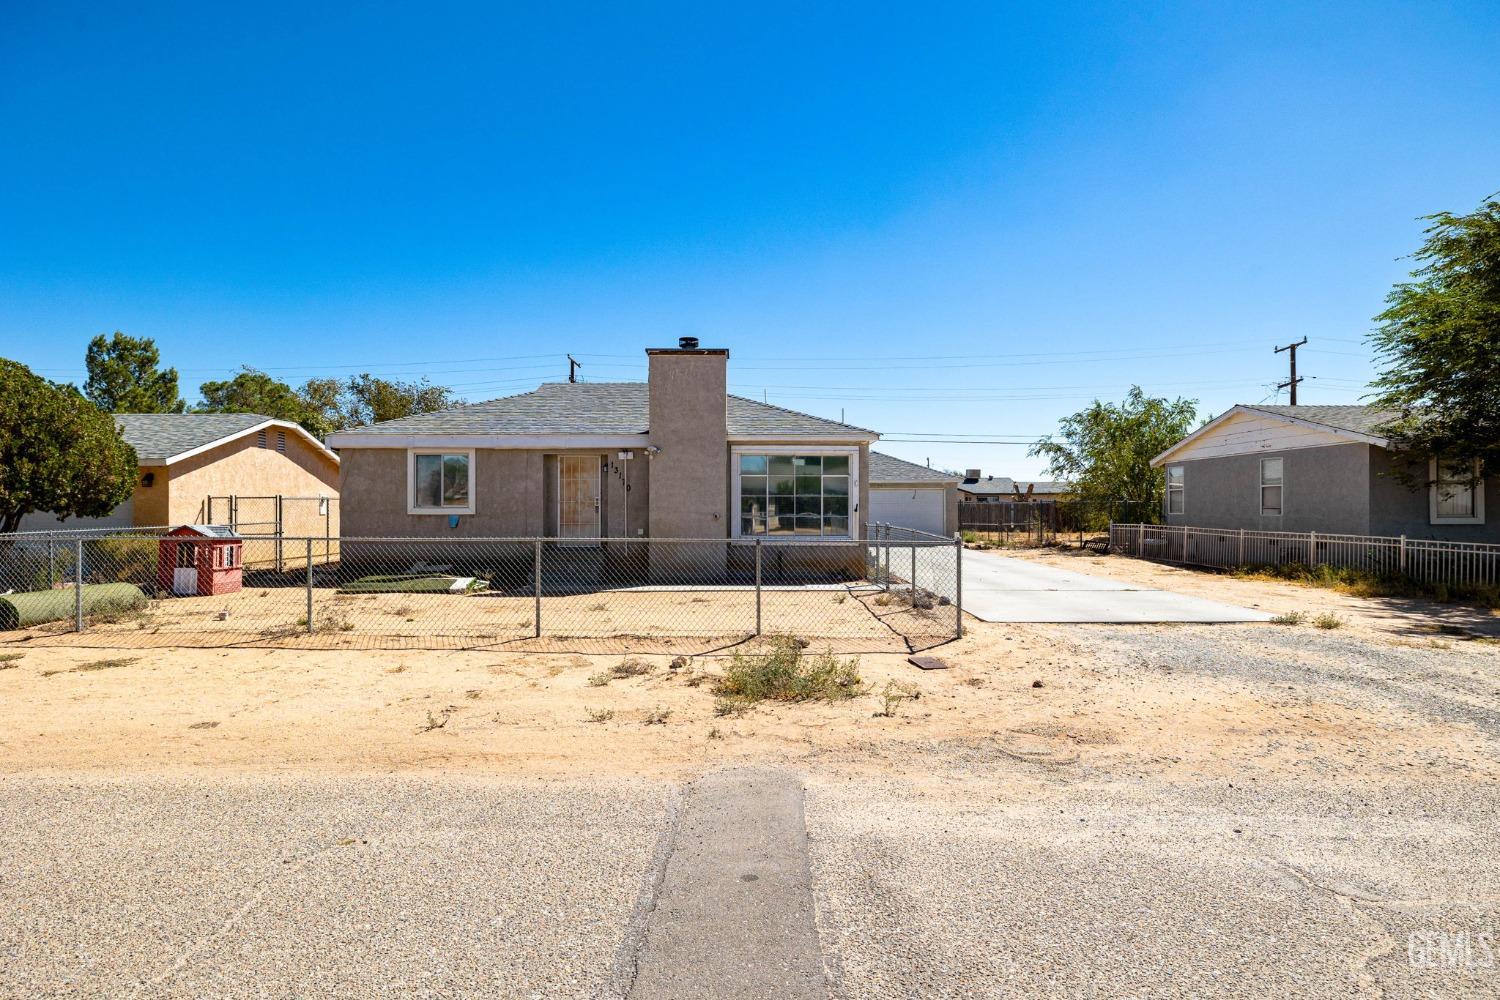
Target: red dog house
(198, 560)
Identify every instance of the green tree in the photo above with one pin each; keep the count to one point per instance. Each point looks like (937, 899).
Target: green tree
(124, 376)
(1439, 340)
(252, 391)
(58, 451)
(369, 399)
(1105, 450)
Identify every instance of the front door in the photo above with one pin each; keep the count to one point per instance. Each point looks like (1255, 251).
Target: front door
(578, 500)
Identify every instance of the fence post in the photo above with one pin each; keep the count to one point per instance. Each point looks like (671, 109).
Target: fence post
(757, 586)
(1403, 553)
(51, 563)
(308, 542)
(1187, 535)
(78, 585)
(913, 572)
(958, 586)
(1242, 547)
(885, 549)
(1140, 539)
(1312, 548)
(536, 589)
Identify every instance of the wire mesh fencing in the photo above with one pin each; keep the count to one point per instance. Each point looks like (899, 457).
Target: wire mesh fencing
(893, 590)
(1035, 523)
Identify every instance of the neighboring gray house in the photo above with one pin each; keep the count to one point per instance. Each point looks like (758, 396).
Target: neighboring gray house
(673, 457)
(978, 488)
(1317, 468)
(912, 495)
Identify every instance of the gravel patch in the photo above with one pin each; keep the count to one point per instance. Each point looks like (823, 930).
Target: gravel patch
(365, 887)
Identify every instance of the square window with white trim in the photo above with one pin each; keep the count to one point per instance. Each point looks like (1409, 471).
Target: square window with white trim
(1176, 493)
(1456, 494)
(440, 481)
(789, 495)
(1270, 487)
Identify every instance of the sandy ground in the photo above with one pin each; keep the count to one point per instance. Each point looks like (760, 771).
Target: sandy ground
(1157, 810)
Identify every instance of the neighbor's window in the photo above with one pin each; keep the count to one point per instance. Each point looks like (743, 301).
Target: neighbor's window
(1457, 493)
(1270, 487)
(794, 495)
(442, 481)
(1175, 492)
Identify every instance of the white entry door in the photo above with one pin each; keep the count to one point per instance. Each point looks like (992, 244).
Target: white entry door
(578, 500)
(185, 572)
(923, 509)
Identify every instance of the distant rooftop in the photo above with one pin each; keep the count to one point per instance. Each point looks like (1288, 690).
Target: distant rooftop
(890, 469)
(157, 437)
(1360, 419)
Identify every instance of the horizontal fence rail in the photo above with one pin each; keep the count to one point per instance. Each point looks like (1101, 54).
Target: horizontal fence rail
(1455, 564)
(894, 589)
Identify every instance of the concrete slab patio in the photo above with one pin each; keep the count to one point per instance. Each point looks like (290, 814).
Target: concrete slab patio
(1003, 589)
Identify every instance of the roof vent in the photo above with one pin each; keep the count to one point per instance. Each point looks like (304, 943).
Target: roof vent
(687, 343)
(971, 474)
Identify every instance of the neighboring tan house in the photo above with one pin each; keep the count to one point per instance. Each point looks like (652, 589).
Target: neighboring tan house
(978, 488)
(674, 457)
(1318, 468)
(912, 496)
(185, 458)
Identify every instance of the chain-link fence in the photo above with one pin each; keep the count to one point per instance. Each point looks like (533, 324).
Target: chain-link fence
(895, 590)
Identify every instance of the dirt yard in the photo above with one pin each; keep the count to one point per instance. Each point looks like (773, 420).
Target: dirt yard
(1163, 700)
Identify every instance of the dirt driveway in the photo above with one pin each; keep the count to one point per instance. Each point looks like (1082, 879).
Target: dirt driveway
(1195, 810)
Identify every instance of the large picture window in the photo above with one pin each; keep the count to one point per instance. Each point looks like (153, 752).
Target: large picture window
(795, 494)
(440, 482)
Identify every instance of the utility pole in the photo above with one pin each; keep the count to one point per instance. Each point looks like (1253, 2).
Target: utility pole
(1291, 383)
(573, 367)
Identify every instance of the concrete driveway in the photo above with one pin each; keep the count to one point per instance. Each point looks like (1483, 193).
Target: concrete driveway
(1004, 589)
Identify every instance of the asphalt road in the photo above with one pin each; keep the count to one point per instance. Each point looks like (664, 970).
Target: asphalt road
(522, 888)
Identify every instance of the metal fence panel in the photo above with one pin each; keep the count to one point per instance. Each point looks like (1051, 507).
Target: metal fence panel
(1456, 564)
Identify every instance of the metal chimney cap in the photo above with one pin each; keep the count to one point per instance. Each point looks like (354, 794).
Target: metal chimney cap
(971, 474)
(687, 343)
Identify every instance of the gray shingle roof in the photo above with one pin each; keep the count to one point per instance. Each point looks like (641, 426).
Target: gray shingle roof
(889, 469)
(1360, 419)
(1006, 486)
(156, 437)
(593, 408)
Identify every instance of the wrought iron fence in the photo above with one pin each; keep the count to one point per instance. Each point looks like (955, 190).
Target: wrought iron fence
(1457, 564)
(1033, 523)
(895, 589)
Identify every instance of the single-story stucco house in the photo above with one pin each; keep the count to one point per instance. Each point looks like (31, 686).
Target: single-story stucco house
(912, 496)
(185, 458)
(674, 457)
(1317, 468)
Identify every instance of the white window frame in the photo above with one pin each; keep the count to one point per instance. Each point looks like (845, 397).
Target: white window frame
(1181, 489)
(411, 481)
(1432, 496)
(855, 472)
(1261, 493)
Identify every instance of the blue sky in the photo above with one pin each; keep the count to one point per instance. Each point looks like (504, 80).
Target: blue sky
(962, 222)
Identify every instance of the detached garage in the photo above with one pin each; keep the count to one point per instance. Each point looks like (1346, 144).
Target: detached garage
(912, 496)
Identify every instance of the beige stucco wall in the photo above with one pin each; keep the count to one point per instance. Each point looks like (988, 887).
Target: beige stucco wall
(236, 468)
(508, 496)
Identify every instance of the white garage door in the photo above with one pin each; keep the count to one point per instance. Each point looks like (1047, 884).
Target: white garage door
(910, 508)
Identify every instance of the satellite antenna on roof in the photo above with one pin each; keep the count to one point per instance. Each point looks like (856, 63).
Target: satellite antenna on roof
(573, 367)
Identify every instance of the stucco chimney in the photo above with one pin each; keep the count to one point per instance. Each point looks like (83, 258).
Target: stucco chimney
(688, 421)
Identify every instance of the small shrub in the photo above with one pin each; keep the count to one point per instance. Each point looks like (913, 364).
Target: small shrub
(1289, 618)
(787, 673)
(601, 714)
(93, 665)
(630, 668)
(657, 716)
(893, 694)
(1328, 620)
(435, 721)
(730, 706)
(715, 734)
(8, 660)
(599, 680)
